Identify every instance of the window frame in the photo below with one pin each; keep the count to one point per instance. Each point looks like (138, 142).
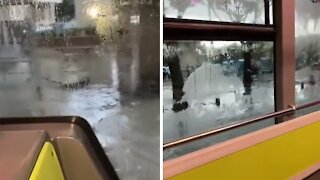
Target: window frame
(281, 33)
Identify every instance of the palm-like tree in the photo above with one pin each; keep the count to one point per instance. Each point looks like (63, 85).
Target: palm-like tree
(181, 6)
(235, 10)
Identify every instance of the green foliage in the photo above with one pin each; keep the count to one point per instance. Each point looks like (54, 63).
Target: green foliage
(234, 51)
(261, 50)
(66, 10)
(307, 50)
(311, 53)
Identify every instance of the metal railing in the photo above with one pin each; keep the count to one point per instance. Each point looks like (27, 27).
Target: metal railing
(290, 110)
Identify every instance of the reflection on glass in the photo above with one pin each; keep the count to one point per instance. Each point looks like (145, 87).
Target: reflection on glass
(209, 85)
(307, 30)
(241, 11)
(88, 58)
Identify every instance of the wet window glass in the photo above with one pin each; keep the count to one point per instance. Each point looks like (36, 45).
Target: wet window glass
(94, 59)
(239, 11)
(307, 36)
(174, 152)
(209, 85)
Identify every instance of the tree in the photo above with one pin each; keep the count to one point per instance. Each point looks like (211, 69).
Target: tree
(235, 10)
(261, 50)
(65, 10)
(238, 11)
(172, 59)
(172, 54)
(312, 53)
(234, 51)
(307, 31)
(181, 6)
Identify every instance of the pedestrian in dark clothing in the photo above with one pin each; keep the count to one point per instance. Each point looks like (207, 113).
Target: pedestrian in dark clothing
(218, 103)
(302, 85)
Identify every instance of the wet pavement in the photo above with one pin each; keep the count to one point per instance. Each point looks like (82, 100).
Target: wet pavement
(126, 124)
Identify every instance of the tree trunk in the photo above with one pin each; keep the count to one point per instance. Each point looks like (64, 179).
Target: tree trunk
(177, 84)
(247, 73)
(176, 78)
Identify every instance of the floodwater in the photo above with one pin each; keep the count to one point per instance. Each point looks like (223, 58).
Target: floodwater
(89, 84)
(203, 115)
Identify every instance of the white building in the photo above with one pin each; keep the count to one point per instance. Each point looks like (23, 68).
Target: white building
(42, 10)
(17, 16)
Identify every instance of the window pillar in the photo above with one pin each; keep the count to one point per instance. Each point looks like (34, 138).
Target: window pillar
(285, 63)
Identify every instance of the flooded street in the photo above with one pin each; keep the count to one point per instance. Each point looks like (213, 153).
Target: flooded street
(86, 84)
